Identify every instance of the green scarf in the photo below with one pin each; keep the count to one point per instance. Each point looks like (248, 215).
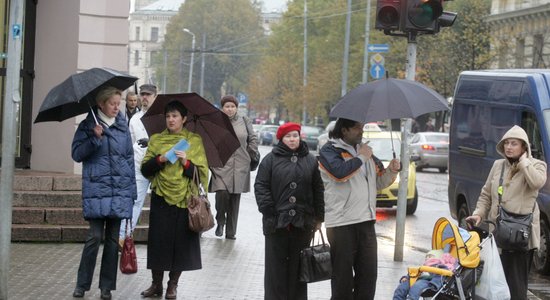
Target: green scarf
(170, 182)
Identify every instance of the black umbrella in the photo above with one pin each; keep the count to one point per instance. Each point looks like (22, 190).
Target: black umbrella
(203, 118)
(76, 94)
(386, 99)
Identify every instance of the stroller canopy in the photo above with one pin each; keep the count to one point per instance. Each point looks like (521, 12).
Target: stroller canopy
(460, 243)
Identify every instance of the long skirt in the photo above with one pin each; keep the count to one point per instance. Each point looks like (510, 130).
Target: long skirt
(171, 246)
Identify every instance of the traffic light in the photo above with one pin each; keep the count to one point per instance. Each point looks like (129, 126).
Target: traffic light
(422, 15)
(388, 14)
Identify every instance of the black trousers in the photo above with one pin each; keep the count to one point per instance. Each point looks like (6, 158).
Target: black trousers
(516, 269)
(354, 255)
(227, 211)
(109, 260)
(282, 262)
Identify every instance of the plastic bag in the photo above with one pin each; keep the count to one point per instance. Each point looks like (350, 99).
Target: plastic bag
(492, 284)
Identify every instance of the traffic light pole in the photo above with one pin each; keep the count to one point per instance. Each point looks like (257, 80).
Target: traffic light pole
(404, 174)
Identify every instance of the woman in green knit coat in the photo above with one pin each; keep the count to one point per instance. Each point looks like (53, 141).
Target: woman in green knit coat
(171, 245)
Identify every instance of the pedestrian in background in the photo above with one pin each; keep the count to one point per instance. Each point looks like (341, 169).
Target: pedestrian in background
(131, 105)
(522, 177)
(140, 139)
(289, 192)
(171, 245)
(352, 175)
(108, 187)
(229, 181)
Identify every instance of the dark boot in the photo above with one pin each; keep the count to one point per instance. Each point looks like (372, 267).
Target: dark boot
(219, 230)
(171, 290)
(155, 290)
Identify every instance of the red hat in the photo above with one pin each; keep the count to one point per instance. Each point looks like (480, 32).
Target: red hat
(286, 128)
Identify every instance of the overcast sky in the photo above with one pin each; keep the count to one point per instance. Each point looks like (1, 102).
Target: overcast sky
(271, 5)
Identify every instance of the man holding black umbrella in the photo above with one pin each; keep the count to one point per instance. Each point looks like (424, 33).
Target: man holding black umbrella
(352, 175)
(140, 140)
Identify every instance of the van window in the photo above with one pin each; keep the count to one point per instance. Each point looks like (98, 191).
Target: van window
(474, 89)
(530, 125)
(526, 97)
(506, 91)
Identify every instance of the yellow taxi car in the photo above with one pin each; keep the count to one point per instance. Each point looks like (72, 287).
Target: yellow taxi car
(381, 141)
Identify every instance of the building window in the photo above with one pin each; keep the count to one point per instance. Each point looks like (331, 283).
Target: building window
(520, 53)
(136, 58)
(537, 51)
(152, 57)
(154, 34)
(138, 31)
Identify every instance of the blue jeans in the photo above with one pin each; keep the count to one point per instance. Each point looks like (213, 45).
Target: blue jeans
(142, 185)
(403, 292)
(109, 260)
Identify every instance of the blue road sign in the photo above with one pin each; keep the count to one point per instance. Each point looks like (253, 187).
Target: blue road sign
(378, 47)
(243, 98)
(377, 71)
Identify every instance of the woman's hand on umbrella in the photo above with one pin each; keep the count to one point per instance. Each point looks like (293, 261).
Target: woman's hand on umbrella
(182, 156)
(98, 131)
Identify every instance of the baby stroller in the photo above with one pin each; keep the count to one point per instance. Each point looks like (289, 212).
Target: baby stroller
(463, 245)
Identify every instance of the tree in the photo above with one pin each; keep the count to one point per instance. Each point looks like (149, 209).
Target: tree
(232, 29)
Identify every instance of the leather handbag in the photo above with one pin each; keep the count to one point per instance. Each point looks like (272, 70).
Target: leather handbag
(315, 263)
(512, 230)
(128, 259)
(200, 214)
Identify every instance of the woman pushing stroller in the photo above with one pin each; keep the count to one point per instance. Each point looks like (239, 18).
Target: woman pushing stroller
(513, 183)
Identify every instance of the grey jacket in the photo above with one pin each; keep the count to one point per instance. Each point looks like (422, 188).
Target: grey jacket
(234, 177)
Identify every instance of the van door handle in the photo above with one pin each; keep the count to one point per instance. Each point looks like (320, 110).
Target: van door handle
(471, 151)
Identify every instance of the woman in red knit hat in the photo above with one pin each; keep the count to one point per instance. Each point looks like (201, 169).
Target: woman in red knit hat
(289, 192)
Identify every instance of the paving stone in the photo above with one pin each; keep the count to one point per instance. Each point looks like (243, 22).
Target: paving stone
(65, 216)
(27, 215)
(35, 233)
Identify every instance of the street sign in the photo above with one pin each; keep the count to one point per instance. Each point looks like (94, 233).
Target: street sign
(377, 59)
(243, 98)
(377, 71)
(378, 47)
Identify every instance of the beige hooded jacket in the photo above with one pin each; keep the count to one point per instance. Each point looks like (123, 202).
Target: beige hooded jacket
(519, 192)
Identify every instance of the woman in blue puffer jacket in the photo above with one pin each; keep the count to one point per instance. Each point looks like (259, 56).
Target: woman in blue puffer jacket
(108, 187)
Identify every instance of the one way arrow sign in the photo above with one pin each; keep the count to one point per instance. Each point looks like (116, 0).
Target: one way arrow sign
(378, 48)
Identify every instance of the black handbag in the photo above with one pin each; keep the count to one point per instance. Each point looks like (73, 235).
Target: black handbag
(512, 230)
(315, 263)
(254, 154)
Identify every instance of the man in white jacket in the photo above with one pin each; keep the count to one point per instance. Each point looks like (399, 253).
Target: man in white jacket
(140, 140)
(352, 175)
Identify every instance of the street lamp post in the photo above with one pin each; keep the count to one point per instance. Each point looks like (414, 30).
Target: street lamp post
(192, 59)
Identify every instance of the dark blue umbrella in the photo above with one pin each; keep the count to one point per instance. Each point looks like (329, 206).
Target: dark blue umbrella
(76, 94)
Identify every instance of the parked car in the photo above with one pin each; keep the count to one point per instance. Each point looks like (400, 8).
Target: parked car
(433, 150)
(381, 143)
(268, 134)
(309, 134)
(257, 128)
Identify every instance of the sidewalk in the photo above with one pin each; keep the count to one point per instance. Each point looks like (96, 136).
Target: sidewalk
(231, 269)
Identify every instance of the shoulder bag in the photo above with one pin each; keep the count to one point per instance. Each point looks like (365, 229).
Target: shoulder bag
(512, 230)
(254, 154)
(315, 263)
(128, 258)
(200, 214)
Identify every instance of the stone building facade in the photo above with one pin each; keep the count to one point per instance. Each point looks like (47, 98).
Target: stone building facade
(521, 33)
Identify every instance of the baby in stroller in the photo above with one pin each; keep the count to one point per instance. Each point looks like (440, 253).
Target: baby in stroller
(425, 280)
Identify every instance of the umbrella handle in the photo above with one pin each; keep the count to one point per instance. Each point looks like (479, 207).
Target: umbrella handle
(93, 114)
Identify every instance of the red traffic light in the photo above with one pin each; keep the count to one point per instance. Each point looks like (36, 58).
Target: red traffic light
(388, 14)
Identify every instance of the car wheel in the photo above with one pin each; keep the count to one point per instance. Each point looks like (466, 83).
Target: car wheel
(442, 170)
(541, 257)
(462, 214)
(411, 207)
(419, 169)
